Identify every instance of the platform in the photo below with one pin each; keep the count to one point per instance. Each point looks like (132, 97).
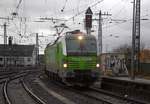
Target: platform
(137, 89)
(136, 80)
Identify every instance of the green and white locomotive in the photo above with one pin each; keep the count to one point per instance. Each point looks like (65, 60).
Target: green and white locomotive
(73, 59)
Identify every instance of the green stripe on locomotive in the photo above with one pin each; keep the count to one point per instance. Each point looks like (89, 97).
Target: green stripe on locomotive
(82, 62)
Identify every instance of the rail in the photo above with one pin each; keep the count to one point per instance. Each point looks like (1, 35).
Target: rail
(83, 94)
(36, 98)
(7, 100)
(5, 94)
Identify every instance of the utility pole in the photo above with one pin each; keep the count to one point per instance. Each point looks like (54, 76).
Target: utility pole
(100, 33)
(135, 56)
(5, 34)
(5, 42)
(100, 40)
(137, 29)
(37, 49)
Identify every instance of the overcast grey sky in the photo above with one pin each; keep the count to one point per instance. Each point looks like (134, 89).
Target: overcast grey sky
(33, 9)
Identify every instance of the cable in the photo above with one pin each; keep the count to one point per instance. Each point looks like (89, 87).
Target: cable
(77, 15)
(17, 8)
(124, 22)
(62, 10)
(122, 9)
(78, 5)
(19, 4)
(77, 8)
(85, 10)
(15, 26)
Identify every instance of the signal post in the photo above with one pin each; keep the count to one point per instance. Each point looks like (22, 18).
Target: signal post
(88, 20)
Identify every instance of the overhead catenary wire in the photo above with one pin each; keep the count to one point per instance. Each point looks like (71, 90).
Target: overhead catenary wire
(128, 20)
(17, 8)
(95, 4)
(64, 6)
(123, 7)
(19, 4)
(78, 13)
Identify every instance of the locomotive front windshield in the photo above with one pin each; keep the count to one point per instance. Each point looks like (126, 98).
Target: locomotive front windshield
(81, 47)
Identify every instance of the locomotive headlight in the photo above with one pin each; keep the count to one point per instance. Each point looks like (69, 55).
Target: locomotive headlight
(80, 37)
(65, 65)
(97, 65)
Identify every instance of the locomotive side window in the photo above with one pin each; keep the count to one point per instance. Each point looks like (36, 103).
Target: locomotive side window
(1, 59)
(57, 48)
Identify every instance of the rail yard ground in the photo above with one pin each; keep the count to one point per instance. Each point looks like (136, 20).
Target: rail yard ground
(49, 91)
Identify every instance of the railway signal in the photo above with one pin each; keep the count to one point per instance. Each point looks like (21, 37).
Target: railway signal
(88, 18)
(88, 21)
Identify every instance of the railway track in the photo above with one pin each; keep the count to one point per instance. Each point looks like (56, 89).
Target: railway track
(6, 97)
(92, 95)
(22, 94)
(5, 76)
(5, 73)
(36, 98)
(101, 96)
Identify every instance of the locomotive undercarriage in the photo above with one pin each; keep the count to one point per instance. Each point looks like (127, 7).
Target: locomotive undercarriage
(78, 77)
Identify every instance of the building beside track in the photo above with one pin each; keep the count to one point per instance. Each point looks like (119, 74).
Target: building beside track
(17, 55)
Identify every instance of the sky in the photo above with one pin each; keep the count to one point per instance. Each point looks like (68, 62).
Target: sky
(117, 29)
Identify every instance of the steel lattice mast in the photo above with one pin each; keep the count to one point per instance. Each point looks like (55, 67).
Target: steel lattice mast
(135, 61)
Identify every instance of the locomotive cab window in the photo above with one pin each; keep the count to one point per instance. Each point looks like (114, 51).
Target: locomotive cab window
(81, 47)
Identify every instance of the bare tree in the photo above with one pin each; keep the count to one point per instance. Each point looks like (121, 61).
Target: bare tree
(122, 49)
(142, 46)
(125, 48)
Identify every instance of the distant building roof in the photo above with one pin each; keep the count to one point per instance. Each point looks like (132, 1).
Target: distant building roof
(16, 50)
(113, 53)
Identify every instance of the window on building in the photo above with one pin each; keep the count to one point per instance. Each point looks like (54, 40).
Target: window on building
(1, 59)
(29, 59)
